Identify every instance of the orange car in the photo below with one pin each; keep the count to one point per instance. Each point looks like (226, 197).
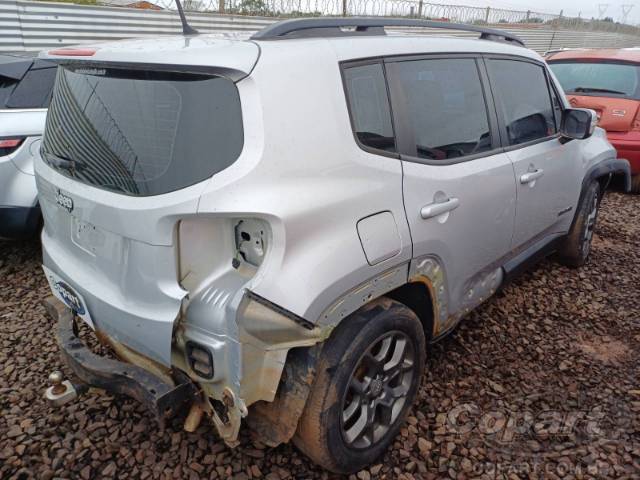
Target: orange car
(607, 81)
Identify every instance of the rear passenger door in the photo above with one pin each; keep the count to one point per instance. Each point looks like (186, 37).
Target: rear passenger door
(542, 162)
(458, 185)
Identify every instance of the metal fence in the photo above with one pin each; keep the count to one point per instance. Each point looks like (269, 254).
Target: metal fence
(400, 8)
(29, 25)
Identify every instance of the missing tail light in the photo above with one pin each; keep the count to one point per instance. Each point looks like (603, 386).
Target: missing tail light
(213, 248)
(9, 145)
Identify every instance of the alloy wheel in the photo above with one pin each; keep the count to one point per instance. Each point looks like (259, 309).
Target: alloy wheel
(589, 227)
(377, 390)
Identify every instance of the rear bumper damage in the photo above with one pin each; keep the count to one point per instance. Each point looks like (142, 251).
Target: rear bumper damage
(162, 398)
(167, 393)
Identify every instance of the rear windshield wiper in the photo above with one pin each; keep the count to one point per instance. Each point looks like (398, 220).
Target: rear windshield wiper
(65, 163)
(597, 90)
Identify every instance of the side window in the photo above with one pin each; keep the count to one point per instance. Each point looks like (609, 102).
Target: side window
(445, 106)
(522, 97)
(34, 90)
(369, 106)
(6, 87)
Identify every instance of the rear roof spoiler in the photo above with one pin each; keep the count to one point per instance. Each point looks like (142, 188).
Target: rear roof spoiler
(356, 26)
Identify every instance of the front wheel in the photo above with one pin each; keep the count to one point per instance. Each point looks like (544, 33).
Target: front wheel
(367, 378)
(575, 249)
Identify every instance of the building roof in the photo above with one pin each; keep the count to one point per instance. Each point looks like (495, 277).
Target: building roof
(129, 3)
(621, 54)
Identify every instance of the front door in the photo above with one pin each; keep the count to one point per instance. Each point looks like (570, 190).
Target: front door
(544, 164)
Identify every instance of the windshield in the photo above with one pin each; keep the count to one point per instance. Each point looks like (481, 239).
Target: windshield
(600, 79)
(140, 132)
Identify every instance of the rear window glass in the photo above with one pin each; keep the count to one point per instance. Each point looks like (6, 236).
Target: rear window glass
(6, 87)
(34, 90)
(140, 132)
(598, 78)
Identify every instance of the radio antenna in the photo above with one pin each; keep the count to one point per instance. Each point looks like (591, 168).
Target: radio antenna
(186, 28)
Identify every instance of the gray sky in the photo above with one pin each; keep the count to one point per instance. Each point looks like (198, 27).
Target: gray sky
(589, 8)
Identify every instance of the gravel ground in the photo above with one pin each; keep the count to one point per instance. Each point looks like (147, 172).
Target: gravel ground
(541, 381)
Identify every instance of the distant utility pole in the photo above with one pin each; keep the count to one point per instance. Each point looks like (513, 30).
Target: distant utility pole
(626, 9)
(602, 8)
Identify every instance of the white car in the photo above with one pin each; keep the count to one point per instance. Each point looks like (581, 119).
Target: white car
(276, 227)
(25, 91)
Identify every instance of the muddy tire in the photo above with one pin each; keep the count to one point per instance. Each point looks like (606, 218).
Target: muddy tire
(367, 378)
(576, 247)
(635, 184)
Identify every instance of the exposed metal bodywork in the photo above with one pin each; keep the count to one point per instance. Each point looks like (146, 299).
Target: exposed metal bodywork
(302, 230)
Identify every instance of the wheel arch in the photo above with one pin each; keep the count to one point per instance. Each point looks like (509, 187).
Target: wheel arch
(301, 362)
(417, 298)
(603, 172)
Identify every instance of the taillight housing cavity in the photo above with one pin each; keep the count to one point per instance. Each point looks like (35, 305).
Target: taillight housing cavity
(10, 145)
(210, 248)
(251, 236)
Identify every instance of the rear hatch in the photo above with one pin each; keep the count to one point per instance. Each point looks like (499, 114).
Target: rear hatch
(129, 144)
(612, 89)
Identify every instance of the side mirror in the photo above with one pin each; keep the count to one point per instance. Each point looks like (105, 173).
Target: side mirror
(578, 123)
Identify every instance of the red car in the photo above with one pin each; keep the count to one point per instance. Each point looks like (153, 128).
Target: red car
(607, 81)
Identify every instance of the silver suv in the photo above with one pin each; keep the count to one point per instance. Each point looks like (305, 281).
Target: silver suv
(275, 228)
(25, 90)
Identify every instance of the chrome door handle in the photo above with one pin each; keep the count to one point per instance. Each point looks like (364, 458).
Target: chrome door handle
(438, 208)
(531, 176)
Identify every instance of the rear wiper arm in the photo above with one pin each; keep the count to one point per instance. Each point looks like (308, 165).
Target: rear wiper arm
(600, 90)
(65, 163)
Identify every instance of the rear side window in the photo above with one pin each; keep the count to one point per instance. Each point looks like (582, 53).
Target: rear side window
(445, 105)
(34, 90)
(522, 98)
(6, 87)
(369, 106)
(141, 133)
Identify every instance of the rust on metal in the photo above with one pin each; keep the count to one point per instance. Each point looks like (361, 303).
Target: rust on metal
(194, 417)
(125, 353)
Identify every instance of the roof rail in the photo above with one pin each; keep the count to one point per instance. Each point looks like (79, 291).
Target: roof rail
(335, 27)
